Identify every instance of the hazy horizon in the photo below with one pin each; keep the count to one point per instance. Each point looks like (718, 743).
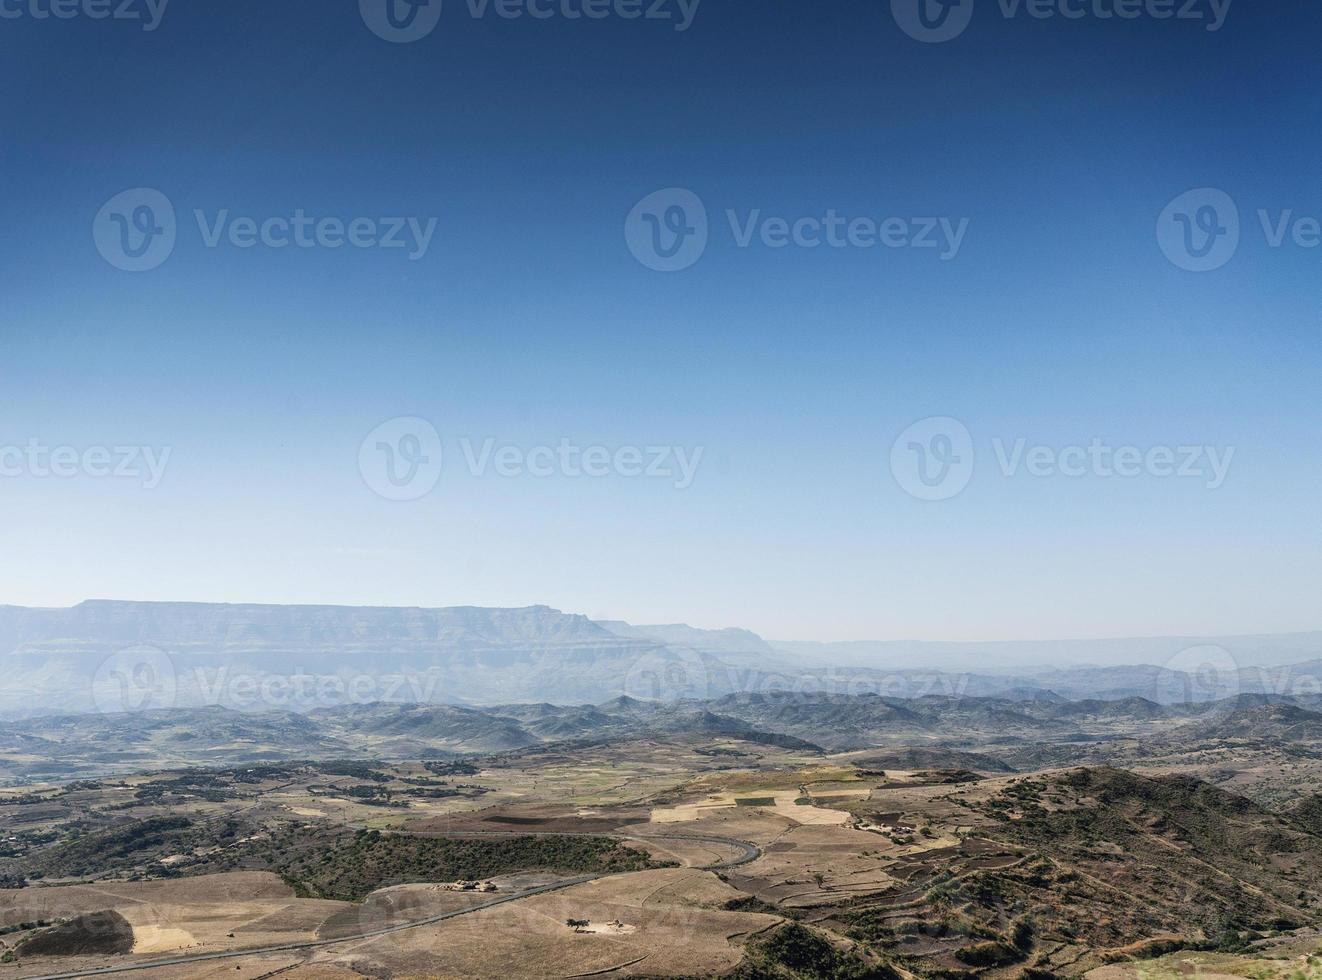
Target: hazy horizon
(599, 619)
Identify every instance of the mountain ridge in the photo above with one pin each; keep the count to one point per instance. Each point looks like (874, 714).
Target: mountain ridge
(76, 658)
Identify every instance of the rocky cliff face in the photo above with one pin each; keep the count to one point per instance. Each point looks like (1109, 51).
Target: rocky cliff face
(104, 626)
(104, 655)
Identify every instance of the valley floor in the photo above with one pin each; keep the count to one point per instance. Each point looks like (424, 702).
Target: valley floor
(683, 856)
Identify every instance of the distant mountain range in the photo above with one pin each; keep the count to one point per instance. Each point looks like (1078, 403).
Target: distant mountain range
(103, 655)
(1265, 650)
(114, 656)
(990, 734)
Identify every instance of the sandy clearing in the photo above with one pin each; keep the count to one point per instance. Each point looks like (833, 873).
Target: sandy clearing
(160, 939)
(806, 814)
(608, 928)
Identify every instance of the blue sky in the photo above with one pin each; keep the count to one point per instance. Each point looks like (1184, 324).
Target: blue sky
(528, 321)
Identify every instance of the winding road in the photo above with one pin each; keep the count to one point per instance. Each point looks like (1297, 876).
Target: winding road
(747, 852)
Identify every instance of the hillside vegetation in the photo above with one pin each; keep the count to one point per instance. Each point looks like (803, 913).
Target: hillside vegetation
(350, 867)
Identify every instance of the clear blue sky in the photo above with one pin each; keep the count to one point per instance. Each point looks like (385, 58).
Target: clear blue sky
(529, 322)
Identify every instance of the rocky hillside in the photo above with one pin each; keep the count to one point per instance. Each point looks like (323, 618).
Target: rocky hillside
(1094, 866)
